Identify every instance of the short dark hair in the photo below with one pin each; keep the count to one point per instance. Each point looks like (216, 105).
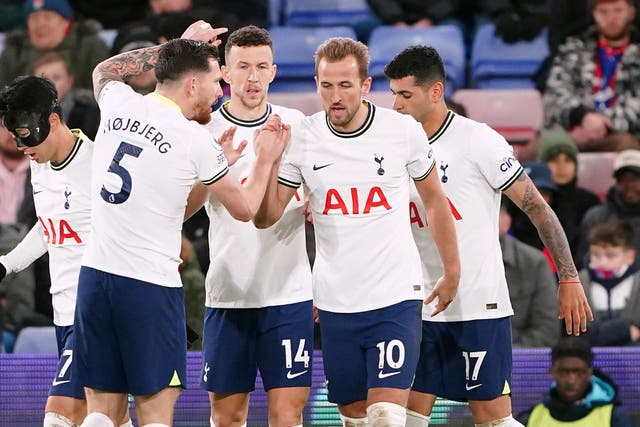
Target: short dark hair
(179, 56)
(30, 94)
(614, 233)
(248, 36)
(422, 62)
(572, 346)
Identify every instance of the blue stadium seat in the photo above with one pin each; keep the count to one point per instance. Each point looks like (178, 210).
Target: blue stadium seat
(294, 48)
(40, 339)
(499, 65)
(305, 13)
(387, 41)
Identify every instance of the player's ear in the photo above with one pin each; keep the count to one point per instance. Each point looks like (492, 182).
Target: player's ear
(366, 86)
(274, 70)
(437, 91)
(225, 74)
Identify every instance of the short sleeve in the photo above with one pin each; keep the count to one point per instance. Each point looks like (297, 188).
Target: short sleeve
(208, 157)
(495, 158)
(289, 174)
(421, 160)
(114, 95)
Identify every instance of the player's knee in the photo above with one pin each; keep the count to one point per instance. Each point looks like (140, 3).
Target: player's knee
(51, 419)
(416, 419)
(502, 422)
(386, 414)
(96, 419)
(354, 422)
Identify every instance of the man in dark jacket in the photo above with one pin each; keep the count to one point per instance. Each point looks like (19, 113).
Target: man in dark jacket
(50, 27)
(580, 394)
(622, 202)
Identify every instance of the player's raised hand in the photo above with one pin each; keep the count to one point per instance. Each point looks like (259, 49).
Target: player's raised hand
(573, 306)
(272, 139)
(203, 31)
(226, 142)
(445, 290)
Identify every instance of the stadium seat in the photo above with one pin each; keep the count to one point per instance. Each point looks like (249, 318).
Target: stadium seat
(294, 48)
(311, 13)
(515, 113)
(307, 102)
(595, 172)
(499, 65)
(387, 41)
(41, 339)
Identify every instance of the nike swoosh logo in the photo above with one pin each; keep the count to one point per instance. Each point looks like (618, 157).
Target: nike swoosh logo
(316, 167)
(291, 376)
(382, 375)
(36, 192)
(59, 382)
(471, 387)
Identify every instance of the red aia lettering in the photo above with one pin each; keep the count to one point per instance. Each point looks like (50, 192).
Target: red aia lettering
(414, 214)
(63, 233)
(375, 198)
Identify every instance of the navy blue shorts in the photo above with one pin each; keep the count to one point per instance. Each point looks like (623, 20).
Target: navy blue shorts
(468, 360)
(130, 335)
(64, 384)
(276, 340)
(370, 349)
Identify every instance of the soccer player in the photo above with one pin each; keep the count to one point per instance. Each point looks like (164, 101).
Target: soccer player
(61, 176)
(358, 161)
(149, 152)
(259, 312)
(466, 351)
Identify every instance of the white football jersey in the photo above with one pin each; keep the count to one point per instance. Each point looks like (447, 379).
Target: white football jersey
(474, 164)
(147, 157)
(359, 186)
(250, 267)
(62, 201)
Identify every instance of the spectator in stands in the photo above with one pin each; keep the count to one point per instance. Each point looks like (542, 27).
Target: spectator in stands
(247, 12)
(79, 107)
(110, 13)
(570, 203)
(621, 202)
(580, 394)
(515, 20)
(50, 27)
(532, 289)
(14, 167)
(592, 90)
(167, 19)
(612, 285)
(413, 13)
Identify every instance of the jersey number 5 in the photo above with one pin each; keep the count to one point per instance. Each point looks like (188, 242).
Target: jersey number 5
(125, 176)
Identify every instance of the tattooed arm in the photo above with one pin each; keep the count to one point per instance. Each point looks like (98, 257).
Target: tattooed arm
(572, 302)
(122, 66)
(135, 62)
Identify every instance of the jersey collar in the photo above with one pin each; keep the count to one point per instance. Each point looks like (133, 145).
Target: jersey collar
(163, 99)
(245, 123)
(362, 129)
(80, 137)
(443, 127)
